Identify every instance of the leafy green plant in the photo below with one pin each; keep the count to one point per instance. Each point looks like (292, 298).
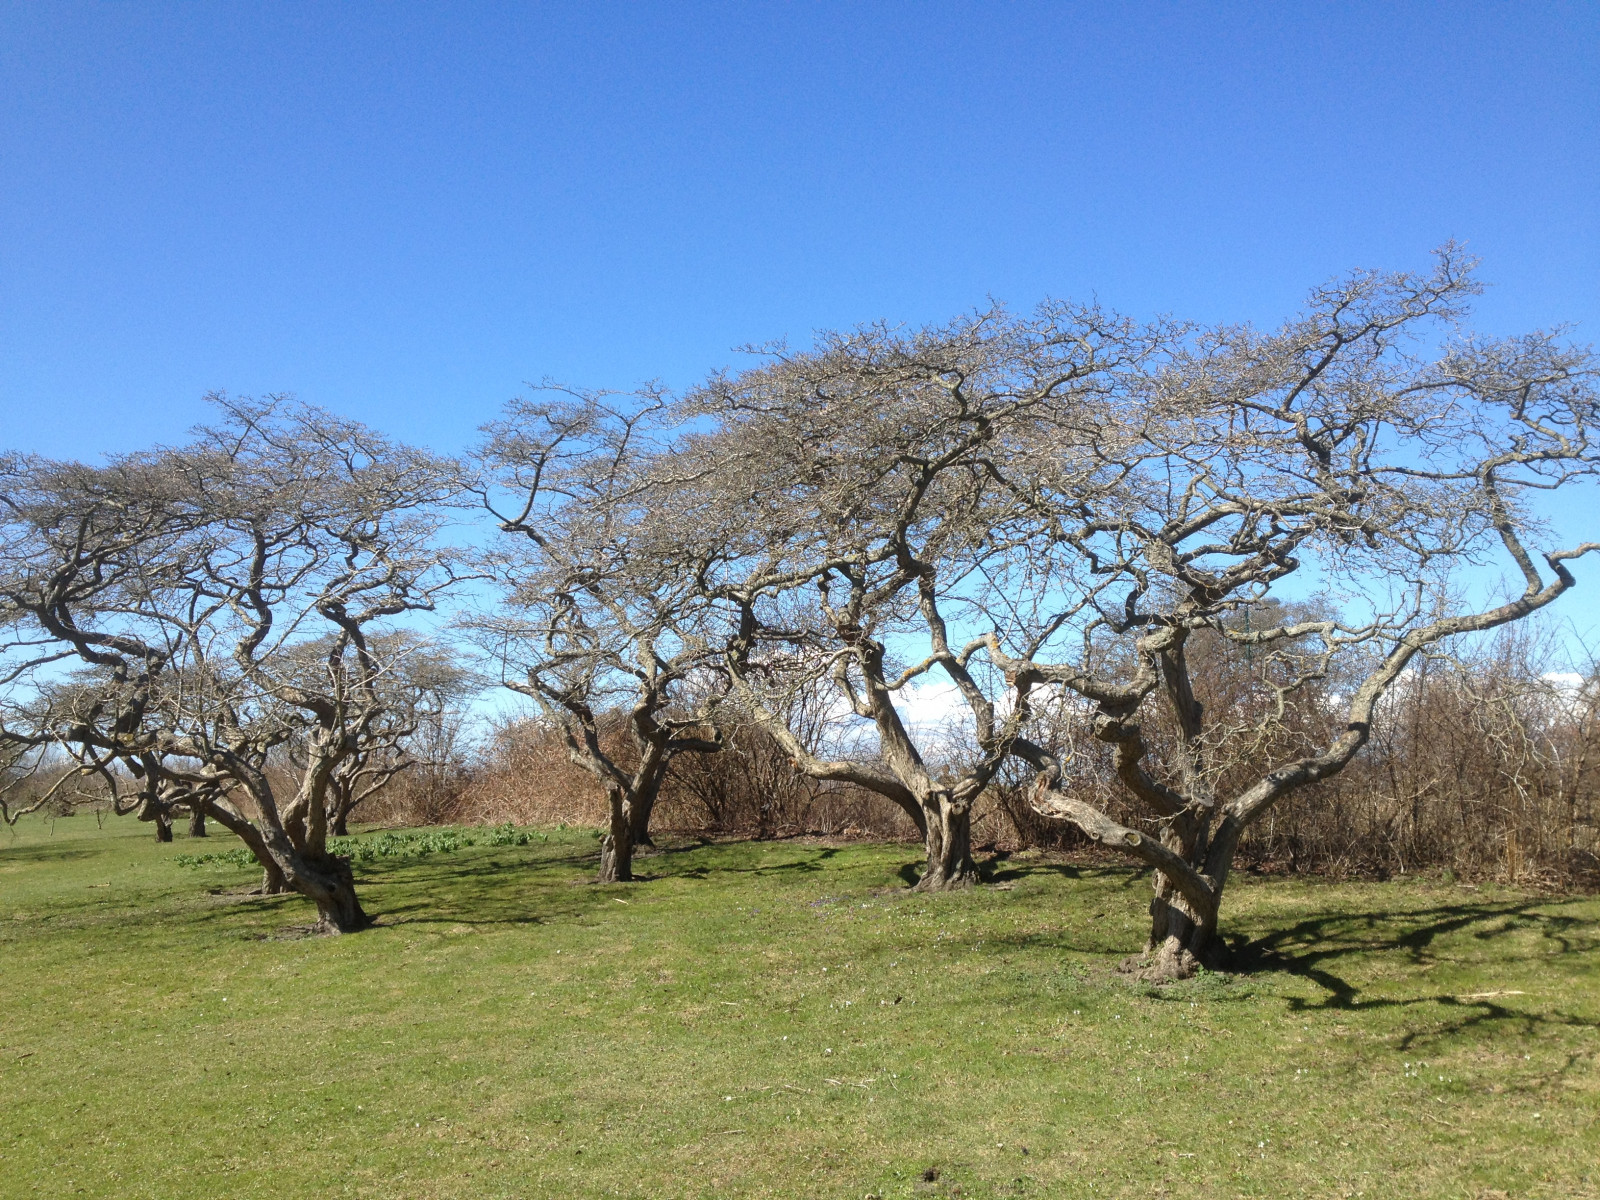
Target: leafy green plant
(388, 843)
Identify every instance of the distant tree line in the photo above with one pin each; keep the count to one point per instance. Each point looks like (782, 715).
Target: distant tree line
(1177, 579)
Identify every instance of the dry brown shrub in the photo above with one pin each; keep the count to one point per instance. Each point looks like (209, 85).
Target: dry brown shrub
(1484, 765)
(748, 790)
(525, 777)
(753, 789)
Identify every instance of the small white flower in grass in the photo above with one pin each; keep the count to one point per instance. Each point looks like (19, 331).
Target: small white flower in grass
(727, 1097)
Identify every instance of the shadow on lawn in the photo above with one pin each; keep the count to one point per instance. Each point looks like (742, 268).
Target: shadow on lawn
(485, 886)
(1314, 949)
(493, 891)
(35, 853)
(820, 855)
(1000, 869)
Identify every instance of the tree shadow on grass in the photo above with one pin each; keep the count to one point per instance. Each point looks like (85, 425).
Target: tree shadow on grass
(49, 852)
(1317, 949)
(488, 885)
(818, 859)
(491, 890)
(494, 891)
(1125, 877)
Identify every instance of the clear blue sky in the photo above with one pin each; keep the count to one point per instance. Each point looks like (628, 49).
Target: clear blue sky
(404, 212)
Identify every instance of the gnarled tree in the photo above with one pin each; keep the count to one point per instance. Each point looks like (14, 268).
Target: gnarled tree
(845, 502)
(600, 624)
(190, 585)
(1327, 457)
(416, 732)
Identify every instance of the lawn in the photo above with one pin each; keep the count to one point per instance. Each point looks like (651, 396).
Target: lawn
(774, 1019)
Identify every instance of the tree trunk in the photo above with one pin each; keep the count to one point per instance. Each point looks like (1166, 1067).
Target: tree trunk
(616, 850)
(332, 887)
(197, 821)
(949, 844)
(339, 826)
(639, 822)
(157, 815)
(1180, 944)
(272, 881)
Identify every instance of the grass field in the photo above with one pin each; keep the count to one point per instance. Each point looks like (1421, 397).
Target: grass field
(777, 1019)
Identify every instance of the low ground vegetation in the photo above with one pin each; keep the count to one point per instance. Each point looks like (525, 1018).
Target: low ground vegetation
(388, 843)
(776, 1018)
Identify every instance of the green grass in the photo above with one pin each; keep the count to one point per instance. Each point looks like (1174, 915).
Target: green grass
(773, 1019)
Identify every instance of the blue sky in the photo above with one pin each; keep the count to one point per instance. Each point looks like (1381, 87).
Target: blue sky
(404, 212)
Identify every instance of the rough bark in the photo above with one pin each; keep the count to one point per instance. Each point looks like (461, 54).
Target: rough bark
(616, 849)
(639, 821)
(330, 884)
(197, 822)
(948, 841)
(1180, 943)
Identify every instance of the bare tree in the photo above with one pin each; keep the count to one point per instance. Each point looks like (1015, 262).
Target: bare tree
(598, 619)
(191, 585)
(1327, 448)
(843, 507)
(32, 778)
(418, 732)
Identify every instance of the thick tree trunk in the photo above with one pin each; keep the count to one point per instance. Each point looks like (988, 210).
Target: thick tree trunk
(949, 845)
(197, 821)
(158, 816)
(1180, 943)
(332, 887)
(616, 850)
(272, 881)
(339, 826)
(639, 821)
